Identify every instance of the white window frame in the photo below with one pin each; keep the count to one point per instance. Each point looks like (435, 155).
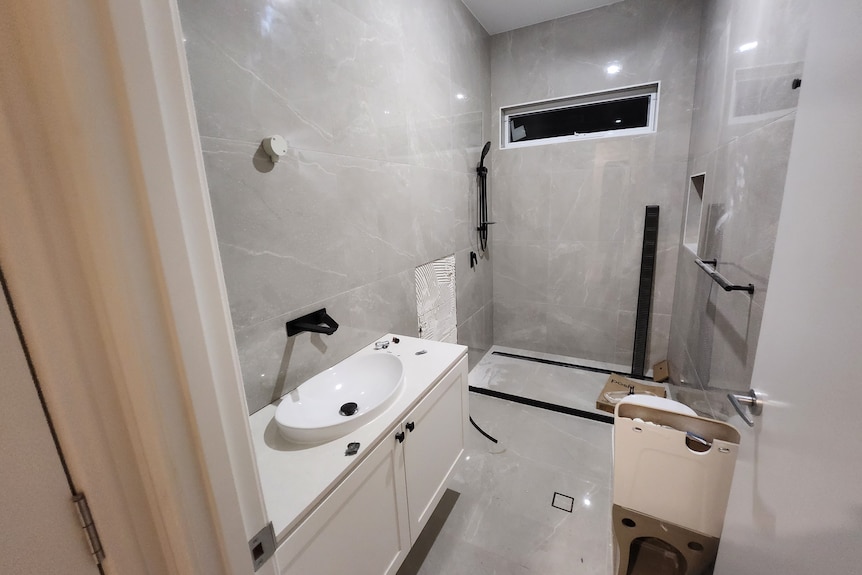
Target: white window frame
(651, 89)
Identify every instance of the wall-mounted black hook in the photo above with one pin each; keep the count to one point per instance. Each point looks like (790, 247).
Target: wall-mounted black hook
(316, 322)
(474, 260)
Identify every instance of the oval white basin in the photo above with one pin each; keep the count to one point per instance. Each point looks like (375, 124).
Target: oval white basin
(320, 409)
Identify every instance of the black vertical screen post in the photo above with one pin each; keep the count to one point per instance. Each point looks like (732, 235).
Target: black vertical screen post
(645, 284)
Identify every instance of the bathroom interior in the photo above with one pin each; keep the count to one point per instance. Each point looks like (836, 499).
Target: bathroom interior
(386, 108)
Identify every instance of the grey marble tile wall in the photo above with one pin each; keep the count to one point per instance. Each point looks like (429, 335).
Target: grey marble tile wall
(384, 106)
(568, 238)
(475, 307)
(741, 133)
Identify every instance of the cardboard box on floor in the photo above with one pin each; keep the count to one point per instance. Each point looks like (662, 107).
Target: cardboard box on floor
(619, 383)
(660, 371)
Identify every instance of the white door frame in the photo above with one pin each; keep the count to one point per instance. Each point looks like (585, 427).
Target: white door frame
(108, 244)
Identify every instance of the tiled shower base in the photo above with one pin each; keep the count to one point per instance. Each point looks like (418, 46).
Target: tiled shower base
(576, 388)
(565, 386)
(537, 502)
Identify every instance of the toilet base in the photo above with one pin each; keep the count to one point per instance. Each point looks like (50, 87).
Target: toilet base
(648, 546)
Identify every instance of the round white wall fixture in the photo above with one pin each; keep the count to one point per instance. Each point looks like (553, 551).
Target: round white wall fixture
(275, 146)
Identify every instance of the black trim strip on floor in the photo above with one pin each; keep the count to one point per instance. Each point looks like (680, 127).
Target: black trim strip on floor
(569, 365)
(543, 404)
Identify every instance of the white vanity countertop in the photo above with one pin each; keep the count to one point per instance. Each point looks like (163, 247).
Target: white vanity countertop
(294, 478)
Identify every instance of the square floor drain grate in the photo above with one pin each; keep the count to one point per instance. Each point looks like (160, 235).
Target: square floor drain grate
(563, 502)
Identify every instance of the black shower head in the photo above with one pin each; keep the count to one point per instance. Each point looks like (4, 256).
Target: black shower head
(485, 151)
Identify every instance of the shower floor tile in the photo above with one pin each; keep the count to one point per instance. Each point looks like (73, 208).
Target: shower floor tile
(556, 384)
(503, 522)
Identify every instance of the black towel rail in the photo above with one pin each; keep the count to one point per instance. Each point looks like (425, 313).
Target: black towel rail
(709, 267)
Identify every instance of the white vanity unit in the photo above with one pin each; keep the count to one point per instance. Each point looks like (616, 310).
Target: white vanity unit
(333, 513)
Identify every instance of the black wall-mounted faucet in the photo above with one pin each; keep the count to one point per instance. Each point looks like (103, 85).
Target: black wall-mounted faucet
(316, 322)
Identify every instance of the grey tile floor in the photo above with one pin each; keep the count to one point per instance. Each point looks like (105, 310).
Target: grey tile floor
(503, 522)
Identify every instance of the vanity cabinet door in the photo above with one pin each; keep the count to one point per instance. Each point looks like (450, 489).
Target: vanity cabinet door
(361, 528)
(433, 444)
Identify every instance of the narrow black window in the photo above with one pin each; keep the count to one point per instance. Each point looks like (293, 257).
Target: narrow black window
(627, 111)
(586, 119)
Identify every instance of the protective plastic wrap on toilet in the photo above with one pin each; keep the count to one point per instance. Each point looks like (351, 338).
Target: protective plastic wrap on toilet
(656, 472)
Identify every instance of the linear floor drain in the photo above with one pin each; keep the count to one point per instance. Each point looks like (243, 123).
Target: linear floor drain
(563, 502)
(569, 365)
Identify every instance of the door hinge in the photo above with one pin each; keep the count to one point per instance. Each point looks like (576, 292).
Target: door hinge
(262, 546)
(96, 550)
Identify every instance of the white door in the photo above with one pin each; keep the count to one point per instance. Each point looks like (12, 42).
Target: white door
(39, 529)
(796, 502)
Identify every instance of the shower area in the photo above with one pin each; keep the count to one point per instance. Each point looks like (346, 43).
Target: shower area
(568, 243)
(569, 239)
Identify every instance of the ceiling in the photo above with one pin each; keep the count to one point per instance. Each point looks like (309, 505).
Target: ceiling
(504, 15)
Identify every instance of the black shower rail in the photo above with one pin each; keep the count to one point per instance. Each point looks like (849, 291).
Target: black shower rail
(709, 266)
(482, 211)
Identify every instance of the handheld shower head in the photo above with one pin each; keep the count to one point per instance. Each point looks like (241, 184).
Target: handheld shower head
(485, 151)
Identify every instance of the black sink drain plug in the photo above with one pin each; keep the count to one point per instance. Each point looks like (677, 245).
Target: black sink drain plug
(348, 409)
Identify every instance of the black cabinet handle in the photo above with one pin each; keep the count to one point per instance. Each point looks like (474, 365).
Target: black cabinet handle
(411, 426)
(400, 436)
